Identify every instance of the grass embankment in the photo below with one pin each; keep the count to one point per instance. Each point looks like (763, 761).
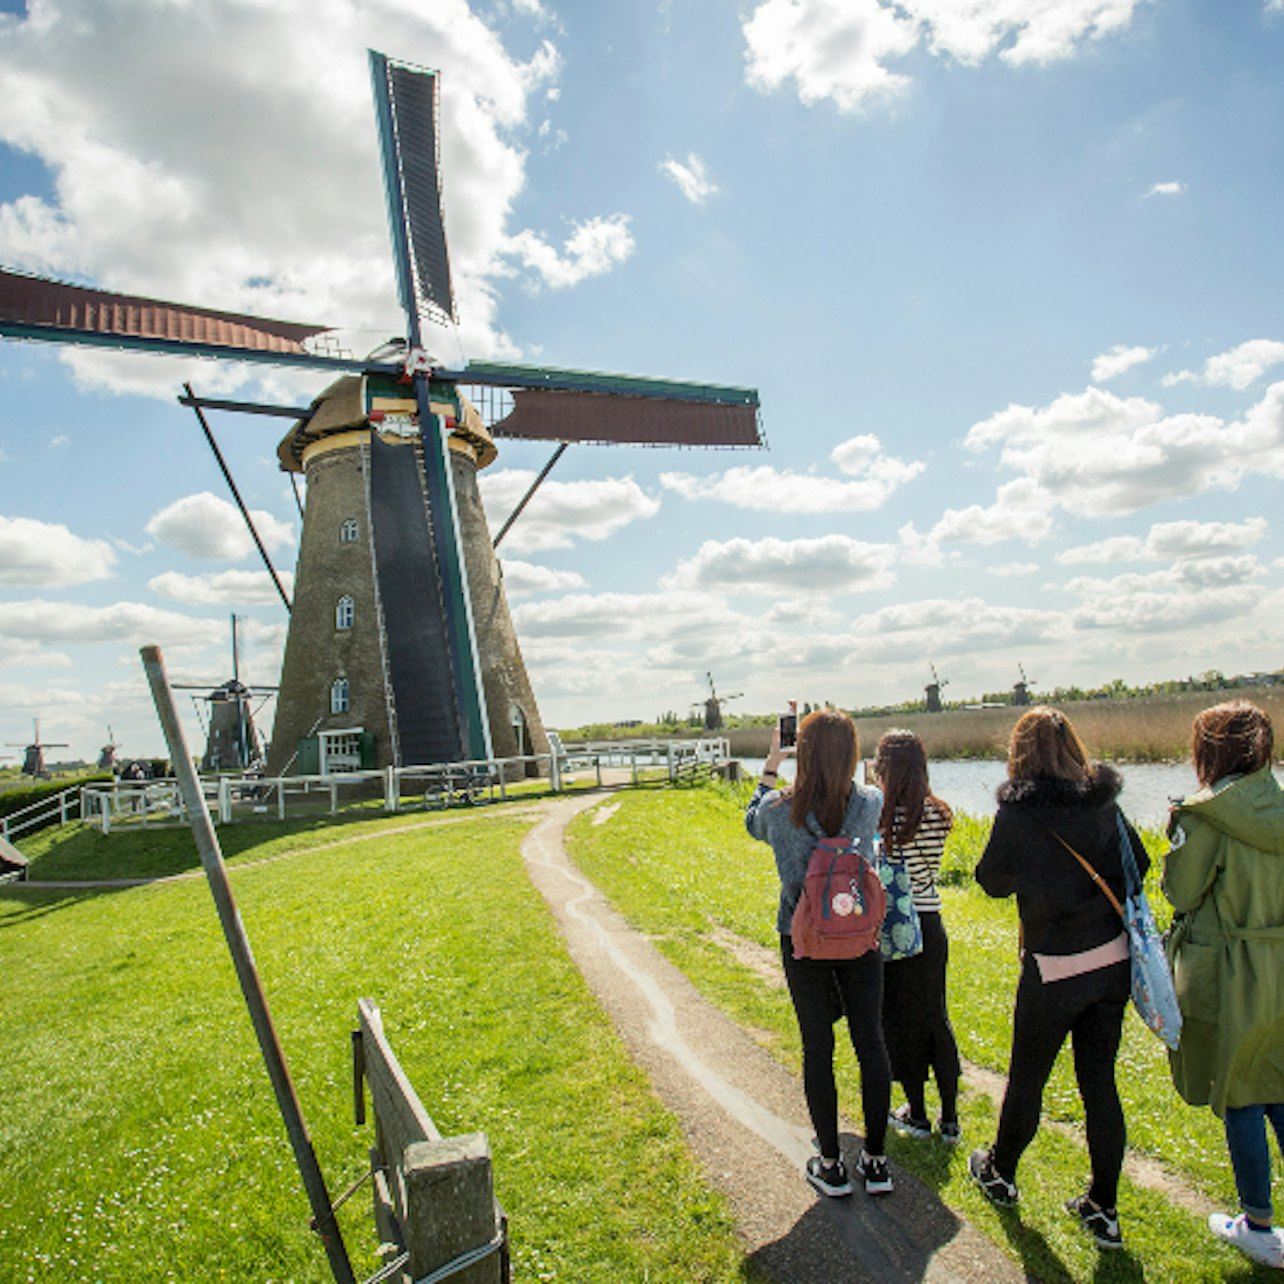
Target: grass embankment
(682, 869)
(139, 1138)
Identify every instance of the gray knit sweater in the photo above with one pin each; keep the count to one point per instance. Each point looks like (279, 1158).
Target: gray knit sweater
(767, 819)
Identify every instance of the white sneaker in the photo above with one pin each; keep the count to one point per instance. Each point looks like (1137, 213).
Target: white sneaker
(1266, 1247)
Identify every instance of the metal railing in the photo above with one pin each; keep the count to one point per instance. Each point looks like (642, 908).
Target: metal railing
(128, 804)
(64, 807)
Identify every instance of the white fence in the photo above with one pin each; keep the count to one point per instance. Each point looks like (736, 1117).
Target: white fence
(439, 785)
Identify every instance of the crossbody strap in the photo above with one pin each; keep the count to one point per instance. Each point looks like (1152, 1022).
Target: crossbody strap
(1092, 873)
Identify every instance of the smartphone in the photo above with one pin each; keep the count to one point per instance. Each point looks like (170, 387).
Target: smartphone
(788, 730)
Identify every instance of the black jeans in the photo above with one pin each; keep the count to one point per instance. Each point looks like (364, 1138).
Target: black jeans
(816, 988)
(1088, 1008)
(916, 1020)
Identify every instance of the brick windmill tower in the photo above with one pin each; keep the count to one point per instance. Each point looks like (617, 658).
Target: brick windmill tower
(400, 649)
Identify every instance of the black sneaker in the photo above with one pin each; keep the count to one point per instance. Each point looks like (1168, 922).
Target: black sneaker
(1101, 1223)
(998, 1190)
(873, 1168)
(951, 1133)
(907, 1125)
(829, 1179)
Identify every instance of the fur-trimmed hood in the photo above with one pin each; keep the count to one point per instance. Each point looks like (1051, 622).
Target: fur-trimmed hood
(1100, 789)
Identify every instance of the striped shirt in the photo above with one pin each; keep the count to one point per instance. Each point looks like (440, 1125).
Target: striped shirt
(922, 856)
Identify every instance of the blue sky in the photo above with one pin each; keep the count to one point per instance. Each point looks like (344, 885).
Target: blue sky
(1007, 276)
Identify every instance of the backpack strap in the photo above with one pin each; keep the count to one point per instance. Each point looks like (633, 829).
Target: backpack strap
(1091, 872)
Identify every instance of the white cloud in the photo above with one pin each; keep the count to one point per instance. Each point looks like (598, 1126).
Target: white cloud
(1010, 570)
(67, 622)
(1166, 189)
(156, 202)
(832, 564)
(763, 488)
(49, 555)
(952, 626)
(839, 49)
(1099, 455)
(1171, 541)
(691, 176)
(1117, 360)
(521, 579)
(1237, 368)
(227, 588)
(210, 528)
(1021, 510)
(562, 512)
(594, 247)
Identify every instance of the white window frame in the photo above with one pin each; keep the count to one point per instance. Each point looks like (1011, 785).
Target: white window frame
(340, 695)
(345, 612)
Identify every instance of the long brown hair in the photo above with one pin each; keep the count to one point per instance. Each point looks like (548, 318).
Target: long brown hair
(900, 763)
(828, 750)
(1231, 739)
(1045, 746)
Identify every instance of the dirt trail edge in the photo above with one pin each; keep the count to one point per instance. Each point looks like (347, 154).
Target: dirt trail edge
(742, 1113)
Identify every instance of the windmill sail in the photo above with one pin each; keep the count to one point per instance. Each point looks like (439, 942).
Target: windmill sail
(407, 100)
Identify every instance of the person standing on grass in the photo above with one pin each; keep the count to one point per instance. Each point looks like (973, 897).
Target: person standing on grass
(825, 799)
(1225, 879)
(916, 1021)
(1075, 973)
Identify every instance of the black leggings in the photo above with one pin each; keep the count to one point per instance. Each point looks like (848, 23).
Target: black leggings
(916, 1021)
(1088, 1008)
(822, 992)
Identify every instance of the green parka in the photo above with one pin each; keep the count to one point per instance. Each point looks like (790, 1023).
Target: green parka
(1225, 878)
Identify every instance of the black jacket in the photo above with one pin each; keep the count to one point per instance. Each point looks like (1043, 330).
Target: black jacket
(1062, 910)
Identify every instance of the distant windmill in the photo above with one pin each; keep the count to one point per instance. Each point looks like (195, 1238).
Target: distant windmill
(107, 754)
(399, 627)
(33, 760)
(232, 740)
(713, 705)
(1021, 690)
(933, 691)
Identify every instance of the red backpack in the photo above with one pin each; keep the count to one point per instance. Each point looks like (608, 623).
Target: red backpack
(840, 912)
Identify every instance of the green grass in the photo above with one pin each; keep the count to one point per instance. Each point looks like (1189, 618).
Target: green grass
(139, 1138)
(682, 869)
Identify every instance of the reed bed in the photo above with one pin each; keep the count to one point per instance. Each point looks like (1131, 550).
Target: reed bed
(1147, 729)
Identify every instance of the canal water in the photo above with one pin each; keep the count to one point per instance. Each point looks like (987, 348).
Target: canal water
(969, 786)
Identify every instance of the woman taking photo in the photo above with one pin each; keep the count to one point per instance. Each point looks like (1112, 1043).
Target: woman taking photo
(825, 800)
(1225, 879)
(916, 1021)
(1075, 970)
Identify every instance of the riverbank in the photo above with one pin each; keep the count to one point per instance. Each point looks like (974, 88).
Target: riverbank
(1148, 729)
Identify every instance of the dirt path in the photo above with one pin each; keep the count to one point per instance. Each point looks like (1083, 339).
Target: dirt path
(742, 1113)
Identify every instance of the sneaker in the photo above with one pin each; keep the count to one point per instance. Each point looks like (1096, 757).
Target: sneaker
(998, 1190)
(907, 1125)
(1265, 1246)
(1101, 1223)
(950, 1132)
(829, 1179)
(878, 1177)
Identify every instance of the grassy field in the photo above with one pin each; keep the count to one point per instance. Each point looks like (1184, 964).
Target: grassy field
(140, 1141)
(665, 861)
(139, 1138)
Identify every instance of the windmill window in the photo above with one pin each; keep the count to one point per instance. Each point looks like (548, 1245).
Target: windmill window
(348, 531)
(339, 695)
(344, 612)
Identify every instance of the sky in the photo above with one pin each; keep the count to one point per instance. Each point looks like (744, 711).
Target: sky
(1007, 275)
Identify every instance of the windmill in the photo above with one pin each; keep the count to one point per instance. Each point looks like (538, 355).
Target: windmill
(33, 755)
(713, 706)
(1021, 690)
(399, 628)
(107, 754)
(232, 740)
(933, 691)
